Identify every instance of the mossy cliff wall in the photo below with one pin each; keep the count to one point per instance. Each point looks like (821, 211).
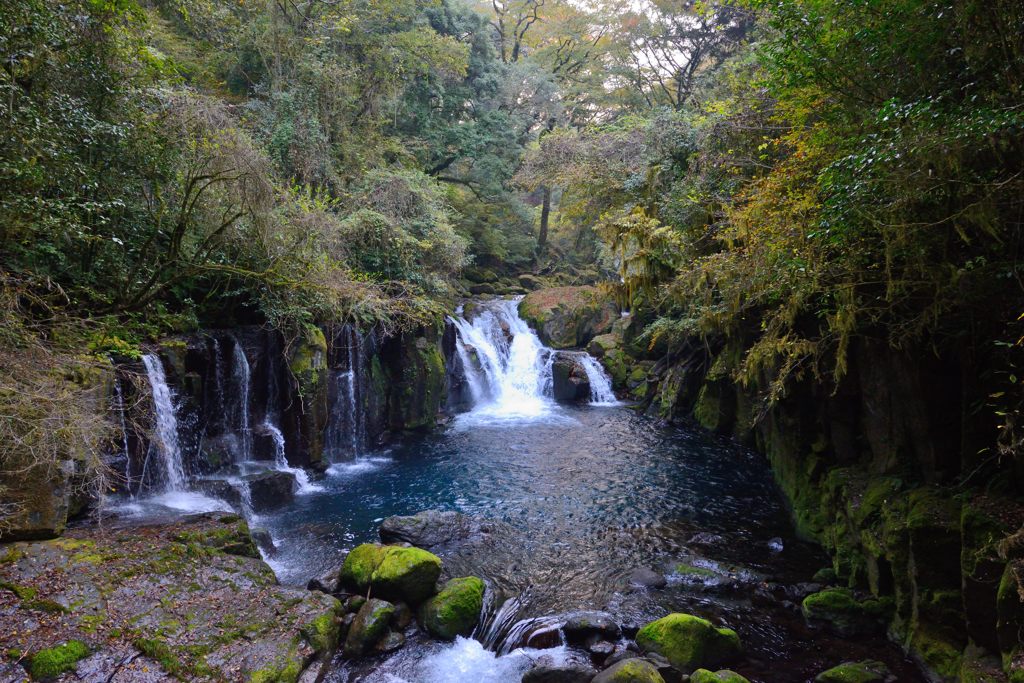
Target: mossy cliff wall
(884, 471)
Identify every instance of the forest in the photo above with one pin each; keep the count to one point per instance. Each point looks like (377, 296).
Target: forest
(796, 223)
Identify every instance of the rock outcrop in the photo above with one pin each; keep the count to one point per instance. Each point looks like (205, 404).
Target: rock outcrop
(568, 317)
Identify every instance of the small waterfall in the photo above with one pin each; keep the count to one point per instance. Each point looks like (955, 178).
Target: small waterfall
(121, 409)
(281, 461)
(346, 433)
(241, 374)
(601, 393)
(165, 440)
(506, 377)
(508, 370)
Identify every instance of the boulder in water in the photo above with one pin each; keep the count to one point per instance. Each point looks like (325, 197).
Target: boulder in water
(572, 668)
(428, 529)
(868, 671)
(688, 641)
(723, 676)
(328, 582)
(221, 489)
(630, 671)
(270, 490)
(569, 379)
(643, 577)
(839, 610)
(454, 611)
(392, 572)
(369, 626)
(590, 626)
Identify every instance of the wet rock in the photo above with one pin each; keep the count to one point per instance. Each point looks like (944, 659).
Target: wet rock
(722, 676)
(220, 489)
(706, 539)
(354, 603)
(601, 649)
(328, 582)
(263, 540)
(392, 641)
(630, 671)
(392, 572)
(369, 626)
(647, 578)
(839, 610)
(570, 669)
(455, 610)
(775, 545)
(621, 652)
(584, 626)
(402, 617)
(868, 671)
(569, 380)
(568, 317)
(482, 288)
(544, 638)
(688, 641)
(430, 529)
(270, 490)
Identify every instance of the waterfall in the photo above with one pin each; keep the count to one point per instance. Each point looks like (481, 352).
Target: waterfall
(241, 374)
(601, 393)
(165, 439)
(507, 368)
(281, 462)
(346, 432)
(121, 409)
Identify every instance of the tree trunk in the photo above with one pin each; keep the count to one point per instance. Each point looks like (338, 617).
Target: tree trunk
(545, 215)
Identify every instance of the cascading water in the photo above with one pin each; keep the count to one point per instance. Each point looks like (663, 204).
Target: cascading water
(346, 433)
(508, 370)
(281, 461)
(165, 442)
(121, 409)
(241, 374)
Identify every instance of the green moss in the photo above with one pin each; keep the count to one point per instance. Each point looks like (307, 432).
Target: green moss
(936, 651)
(694, 571)
(408, 574)
(54, 661)
(10, 555)
(848, 615)
(688, 642)
(285, 670)
(868, 671)
(723, 676)
(157, 649)
(360, 563)
(455, 610)
(23, 592)
(322, 633)
(633, 670)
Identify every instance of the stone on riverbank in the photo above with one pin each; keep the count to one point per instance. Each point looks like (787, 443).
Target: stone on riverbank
(723, 676)
(454, 611)
(187, 600)
(430, 528)
(688, 642)
(369, 626)
(586, 626)
(392, 572)
(841, 611)
(630, 671)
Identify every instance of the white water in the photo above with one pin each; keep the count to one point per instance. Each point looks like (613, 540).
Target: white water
(509, 371)
(242, 376)
(466, 661)
(346, 433)
(281, 461)
(165, 440)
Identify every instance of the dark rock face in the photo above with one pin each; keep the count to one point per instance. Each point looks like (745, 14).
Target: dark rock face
(270, 490)
(569, 379)
(220, 489)
(118, 583)
(431, 529)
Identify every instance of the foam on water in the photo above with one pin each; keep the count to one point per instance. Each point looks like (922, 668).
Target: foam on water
(466, 661)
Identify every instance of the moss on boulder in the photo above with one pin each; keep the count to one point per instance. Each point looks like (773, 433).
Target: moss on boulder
(723, 676)
(369, 626)
(392, 572)
(630, 671)
(868, 671)
(840, 609)
(568, 317)
(688, 641)
(454, 611)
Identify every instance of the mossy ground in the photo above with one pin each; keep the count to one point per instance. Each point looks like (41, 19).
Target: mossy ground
(186, 599)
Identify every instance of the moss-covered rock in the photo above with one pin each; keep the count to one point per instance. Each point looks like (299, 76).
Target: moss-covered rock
(723, 676)
(309, 410)
(568, 317)
(630, 671)
(392, 572)
(840, 609)
(688, 641)
(455, 610)
(868, 671)
(369, 626)
(53, 661)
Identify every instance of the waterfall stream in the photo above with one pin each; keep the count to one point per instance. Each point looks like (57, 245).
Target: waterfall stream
(346, 431)
(242, 376)
(508, 370)
(165, 442)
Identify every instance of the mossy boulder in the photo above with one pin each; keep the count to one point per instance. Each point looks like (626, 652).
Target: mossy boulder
(602, 344)
(840, 610)
(307, 415)
(53, 661)
(868, 671)
(632, 670)
(689, 642)
(392, 572)
(454, 611)
(568, 317)
(369, 626)
(723, 676)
